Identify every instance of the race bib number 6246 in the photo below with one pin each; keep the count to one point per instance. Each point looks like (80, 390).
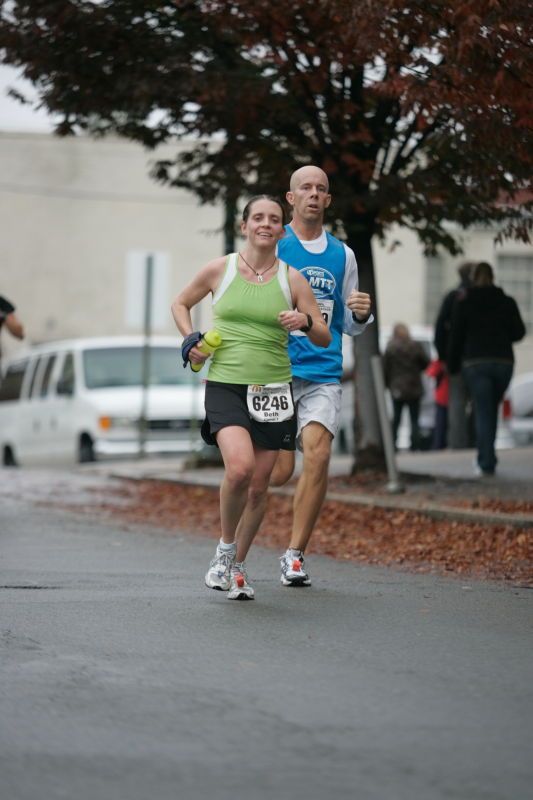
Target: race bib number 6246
(270, 403)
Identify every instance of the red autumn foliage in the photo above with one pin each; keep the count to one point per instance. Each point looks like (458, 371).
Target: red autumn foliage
(357, 533)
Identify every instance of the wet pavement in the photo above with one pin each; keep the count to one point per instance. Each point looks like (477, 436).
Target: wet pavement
(123, 677)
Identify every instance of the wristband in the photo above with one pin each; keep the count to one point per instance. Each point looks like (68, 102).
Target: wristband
(361, 321)
(307, 328)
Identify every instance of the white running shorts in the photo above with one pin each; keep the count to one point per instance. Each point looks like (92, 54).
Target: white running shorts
(316, 402)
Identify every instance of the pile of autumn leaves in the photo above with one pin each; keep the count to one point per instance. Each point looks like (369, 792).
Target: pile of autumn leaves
(363, 534)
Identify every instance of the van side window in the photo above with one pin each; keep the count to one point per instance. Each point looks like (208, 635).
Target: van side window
(65, 385)
(34, 375)
(46, 377)
(12, 382)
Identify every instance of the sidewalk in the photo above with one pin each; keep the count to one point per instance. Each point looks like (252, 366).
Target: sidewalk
(439, 484)
(515, 464)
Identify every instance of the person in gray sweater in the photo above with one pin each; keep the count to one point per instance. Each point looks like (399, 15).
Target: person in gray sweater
(404, 362)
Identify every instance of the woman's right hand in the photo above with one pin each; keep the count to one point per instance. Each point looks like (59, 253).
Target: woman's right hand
(196, 356)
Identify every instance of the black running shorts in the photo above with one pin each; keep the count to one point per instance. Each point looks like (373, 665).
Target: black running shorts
(225, 404)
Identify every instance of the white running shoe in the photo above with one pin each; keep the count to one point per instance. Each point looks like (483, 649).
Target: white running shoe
(239, 589)
(293, 572)
(218, 574)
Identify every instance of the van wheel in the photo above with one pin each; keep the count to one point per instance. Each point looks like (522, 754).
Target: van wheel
(9, 459)
(86, 450)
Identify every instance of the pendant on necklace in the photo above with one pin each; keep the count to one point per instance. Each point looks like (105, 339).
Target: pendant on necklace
(260, 278)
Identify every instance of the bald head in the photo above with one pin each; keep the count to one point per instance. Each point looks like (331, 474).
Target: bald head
(308, 197)
(308, 174)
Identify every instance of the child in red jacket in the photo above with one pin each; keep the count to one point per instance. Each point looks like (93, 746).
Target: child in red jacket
(437, 369)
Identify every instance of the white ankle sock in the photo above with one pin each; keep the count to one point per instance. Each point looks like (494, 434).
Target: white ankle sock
(227, 548)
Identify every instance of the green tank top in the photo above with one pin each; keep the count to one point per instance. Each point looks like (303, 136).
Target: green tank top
(254, 345)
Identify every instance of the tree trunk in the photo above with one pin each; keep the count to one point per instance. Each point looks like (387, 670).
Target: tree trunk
(230, 212)
(369, 453)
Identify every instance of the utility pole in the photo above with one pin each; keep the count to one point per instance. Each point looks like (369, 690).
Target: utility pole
(148, 285)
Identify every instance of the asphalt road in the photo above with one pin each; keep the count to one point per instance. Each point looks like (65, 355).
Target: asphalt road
(122, 676)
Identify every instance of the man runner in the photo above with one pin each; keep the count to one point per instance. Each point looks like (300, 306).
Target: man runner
(331, 269)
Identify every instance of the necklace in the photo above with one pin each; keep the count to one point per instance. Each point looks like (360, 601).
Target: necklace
(259, 274)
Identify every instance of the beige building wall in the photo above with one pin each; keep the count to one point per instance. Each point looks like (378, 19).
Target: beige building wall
(71, 210)
(400, 275)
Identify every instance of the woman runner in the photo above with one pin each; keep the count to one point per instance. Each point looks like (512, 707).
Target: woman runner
(257, 300)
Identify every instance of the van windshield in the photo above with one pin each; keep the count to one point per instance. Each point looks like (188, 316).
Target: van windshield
(122, 366)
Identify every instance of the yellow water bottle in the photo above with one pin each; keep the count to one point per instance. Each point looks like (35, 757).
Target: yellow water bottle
(207, 344)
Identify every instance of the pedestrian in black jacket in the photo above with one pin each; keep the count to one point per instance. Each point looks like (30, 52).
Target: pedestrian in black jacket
(485, 323)
(459, 433)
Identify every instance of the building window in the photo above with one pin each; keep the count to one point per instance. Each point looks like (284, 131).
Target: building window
(435, 287)
(515, 276)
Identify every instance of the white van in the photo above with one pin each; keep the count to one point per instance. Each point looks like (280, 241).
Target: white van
(82, 400)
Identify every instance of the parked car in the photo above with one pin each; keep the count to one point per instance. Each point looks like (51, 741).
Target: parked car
(81, 400)
(520, 394)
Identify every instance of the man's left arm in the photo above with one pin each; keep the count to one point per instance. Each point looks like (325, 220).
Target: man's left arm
(357, 305)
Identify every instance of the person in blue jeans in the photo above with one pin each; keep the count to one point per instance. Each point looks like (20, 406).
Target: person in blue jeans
(485, 323)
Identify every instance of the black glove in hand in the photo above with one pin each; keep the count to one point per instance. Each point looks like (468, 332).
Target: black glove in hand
(188, 343)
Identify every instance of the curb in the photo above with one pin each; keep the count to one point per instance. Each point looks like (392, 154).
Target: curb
(433, 510)
(437, 511)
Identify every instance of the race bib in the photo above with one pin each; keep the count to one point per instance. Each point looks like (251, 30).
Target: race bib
(326, 309)
(270, 403)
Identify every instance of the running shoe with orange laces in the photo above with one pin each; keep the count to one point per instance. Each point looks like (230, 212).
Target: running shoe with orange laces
(239, 588)
(293, 572)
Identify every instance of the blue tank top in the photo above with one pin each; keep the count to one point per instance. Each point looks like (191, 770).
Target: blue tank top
(325, 274)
